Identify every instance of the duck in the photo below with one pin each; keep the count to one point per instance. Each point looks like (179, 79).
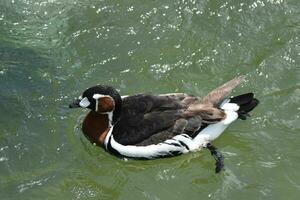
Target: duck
(146, 126)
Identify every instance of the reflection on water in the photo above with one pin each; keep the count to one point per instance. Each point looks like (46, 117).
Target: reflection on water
(51, 50)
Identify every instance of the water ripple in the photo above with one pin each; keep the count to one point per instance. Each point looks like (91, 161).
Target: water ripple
(33, 183)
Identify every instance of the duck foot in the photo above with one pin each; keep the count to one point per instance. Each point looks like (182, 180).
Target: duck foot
(219, 158)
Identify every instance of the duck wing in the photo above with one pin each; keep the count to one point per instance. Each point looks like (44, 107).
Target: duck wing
(144, 116)
(216, 97)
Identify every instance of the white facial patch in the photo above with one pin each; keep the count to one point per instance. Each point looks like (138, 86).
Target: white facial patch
(98, 96)
(84, 102)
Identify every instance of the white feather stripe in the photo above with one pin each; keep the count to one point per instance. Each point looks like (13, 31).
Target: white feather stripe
(108, 136)
(230, 106)
(208, 134)
(150, 151)
(213, 131)
(186, 140)
(124, 96)
(98, 96)
(231, 116)
(224, 102)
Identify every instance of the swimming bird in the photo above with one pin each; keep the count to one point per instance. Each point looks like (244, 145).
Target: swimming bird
(146, 126)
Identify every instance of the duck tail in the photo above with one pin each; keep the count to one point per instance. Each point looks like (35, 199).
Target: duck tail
(246, 102)
(217, 96)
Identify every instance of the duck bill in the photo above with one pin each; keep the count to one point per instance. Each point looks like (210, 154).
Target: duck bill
(75, 104)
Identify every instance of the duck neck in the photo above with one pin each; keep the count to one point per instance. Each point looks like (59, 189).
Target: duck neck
(96, 127)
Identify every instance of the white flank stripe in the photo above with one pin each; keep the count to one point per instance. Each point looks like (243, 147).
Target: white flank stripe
(230, 106)
(213, 131)
(150, 151)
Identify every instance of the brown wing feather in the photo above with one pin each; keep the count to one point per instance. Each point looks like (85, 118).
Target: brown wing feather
(216, 96)
(207, 113)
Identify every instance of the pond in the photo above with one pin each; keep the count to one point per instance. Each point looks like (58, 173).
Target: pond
(52, 50)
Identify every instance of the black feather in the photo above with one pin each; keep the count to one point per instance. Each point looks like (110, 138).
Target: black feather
(242, 99)
(247, 102)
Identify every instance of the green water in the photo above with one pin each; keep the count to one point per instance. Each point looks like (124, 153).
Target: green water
(51, 50)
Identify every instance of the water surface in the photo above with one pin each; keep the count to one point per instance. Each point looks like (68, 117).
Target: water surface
(51, 50)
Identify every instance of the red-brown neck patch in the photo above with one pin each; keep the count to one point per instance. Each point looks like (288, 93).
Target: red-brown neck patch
(95, 127)
(105, 104)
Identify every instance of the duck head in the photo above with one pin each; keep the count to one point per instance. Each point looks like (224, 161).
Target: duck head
(100, 99)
